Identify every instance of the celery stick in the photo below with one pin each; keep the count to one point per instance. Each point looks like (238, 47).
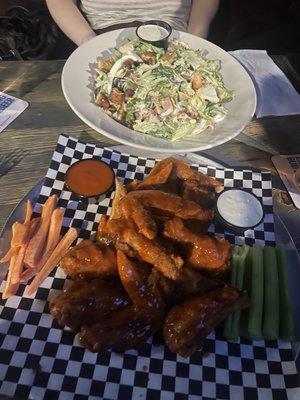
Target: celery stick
(271, 295)
(286, 325)
(254, 325)
(235, 325)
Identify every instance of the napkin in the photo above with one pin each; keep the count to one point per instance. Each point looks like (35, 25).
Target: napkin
(275, 94)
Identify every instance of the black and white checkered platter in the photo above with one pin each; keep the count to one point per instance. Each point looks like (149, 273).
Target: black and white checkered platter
(41, 360)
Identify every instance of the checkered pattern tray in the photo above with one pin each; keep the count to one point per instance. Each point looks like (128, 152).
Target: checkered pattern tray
(41, 360)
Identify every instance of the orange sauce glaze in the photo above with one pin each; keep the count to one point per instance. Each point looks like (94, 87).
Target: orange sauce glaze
(89, 177)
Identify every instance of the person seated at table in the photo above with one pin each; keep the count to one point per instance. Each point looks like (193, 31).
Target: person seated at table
(83, 20)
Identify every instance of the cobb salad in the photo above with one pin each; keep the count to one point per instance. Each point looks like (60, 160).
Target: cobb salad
(168, 94)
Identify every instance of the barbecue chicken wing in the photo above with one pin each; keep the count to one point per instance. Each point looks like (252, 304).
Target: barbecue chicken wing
(85, 302)
(209, 254)
(188, 283)
(186, 326)
(133, 325)
(90, 259)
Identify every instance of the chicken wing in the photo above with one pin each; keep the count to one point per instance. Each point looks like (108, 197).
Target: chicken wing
(133, 325)
(184, 172)
(189, 282)
(153, 180)
(202, 195)
(122, 330)
(154, 253)
(85, 302)
(90, 259)
(186, 326)
(120, 192)
(123, 234)
(170, 203)
(181, 170)
(209, 254)
(143, 218)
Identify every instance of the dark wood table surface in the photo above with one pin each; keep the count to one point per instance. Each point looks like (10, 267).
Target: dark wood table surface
(34, 133)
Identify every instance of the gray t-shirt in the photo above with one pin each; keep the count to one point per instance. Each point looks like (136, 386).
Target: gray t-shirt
(102, 14)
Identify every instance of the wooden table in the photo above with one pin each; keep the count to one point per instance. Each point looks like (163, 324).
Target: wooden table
(35, 132)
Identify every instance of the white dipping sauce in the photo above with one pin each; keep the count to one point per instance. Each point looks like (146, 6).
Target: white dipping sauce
(239, 208)
(152, 33)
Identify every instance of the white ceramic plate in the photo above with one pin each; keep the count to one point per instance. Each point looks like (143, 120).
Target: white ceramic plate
(77, 83)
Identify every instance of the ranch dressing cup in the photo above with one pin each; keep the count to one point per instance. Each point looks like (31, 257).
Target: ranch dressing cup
(238, 210)
(154, 32)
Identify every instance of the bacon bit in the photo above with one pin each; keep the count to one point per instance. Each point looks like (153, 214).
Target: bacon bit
(116, 96)
(149, 57)
(129, 63)
(128, 93)
(170, 57)
(102, 101)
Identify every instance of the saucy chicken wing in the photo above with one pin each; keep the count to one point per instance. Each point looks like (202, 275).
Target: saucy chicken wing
(120, 192)
(186, 326)
(85, 302)
(154, 179)
(136, 205)
(123, 234)
(189, 282)
(184, 172)
(181, 170)
(170, 203)
(133, 325)
(90, 259)
(209, 254)
(154, 253)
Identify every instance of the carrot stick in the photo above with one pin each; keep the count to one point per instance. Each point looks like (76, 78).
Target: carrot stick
(19, 234)
(27, 274)
(53, 235)
(18, 266)
(8, 255)
(54, 230)
(33, 224)
(57, 254)
(28, 211)
(37, 242)
(10, 288)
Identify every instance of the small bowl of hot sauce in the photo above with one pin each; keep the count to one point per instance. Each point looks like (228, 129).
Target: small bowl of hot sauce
(89, 177)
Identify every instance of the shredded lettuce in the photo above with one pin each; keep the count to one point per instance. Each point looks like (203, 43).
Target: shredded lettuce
(165, 100)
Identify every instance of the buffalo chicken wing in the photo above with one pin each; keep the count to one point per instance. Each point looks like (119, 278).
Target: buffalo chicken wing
(90, 259)
(85, 302)
(133, 325)
(209, 254)
(187, 325)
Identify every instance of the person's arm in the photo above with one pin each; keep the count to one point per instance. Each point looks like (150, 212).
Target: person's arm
(201, 15)
(70, 20)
